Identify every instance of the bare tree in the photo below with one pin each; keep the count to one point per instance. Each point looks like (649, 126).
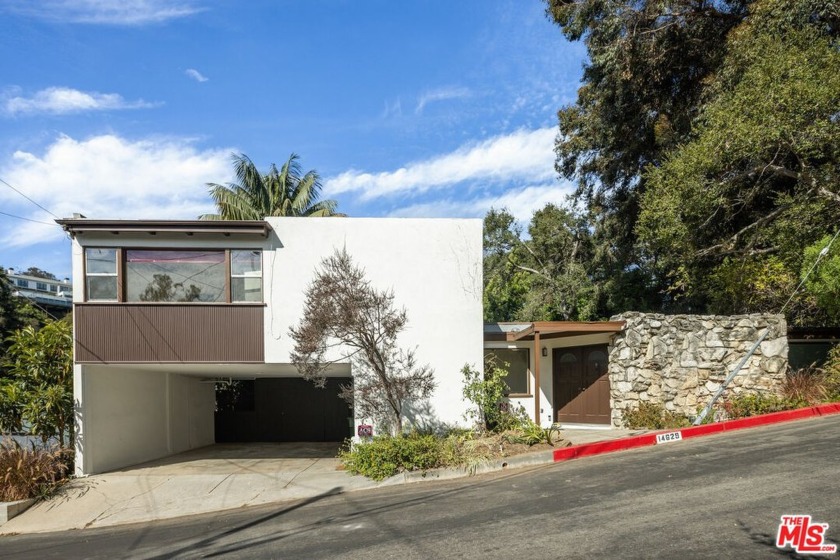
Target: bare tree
(344, 310)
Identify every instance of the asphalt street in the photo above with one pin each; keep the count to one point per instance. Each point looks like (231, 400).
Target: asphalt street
(714, 497)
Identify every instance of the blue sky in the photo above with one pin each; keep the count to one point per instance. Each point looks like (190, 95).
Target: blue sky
(127, 108)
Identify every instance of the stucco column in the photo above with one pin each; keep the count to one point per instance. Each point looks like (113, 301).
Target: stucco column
(537, 359)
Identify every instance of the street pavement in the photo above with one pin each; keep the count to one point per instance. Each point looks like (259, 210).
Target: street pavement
(720, 496)
(223, 477)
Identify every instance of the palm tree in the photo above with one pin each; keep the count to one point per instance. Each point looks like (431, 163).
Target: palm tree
(283, 192)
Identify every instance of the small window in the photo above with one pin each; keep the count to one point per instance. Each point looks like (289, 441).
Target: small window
(101, 272)
(21, 283)
(41, 286)
(53, 288)
(517, 362)
(246, 275)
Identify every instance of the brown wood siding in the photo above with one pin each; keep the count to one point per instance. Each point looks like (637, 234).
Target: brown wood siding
(170, 333)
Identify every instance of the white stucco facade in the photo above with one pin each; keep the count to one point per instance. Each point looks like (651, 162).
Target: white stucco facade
(131, 413)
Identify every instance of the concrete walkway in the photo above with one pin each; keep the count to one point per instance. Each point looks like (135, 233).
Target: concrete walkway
(227, 476)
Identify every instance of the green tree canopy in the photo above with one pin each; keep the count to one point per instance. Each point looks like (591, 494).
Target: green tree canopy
(38, 393)
(759, 179)
(280, 192)
(542, 277)
(649, 62)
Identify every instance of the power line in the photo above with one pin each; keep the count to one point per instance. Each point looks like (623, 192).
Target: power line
(29, 199)
(28, 219)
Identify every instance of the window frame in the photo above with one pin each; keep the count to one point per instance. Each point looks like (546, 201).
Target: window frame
(116, 274)
(121, 275)
(528, 392)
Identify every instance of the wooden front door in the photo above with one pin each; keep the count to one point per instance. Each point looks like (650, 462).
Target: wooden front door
(581, 385)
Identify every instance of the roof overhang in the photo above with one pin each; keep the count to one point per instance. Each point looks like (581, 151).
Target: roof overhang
(248, 228)
(514, 332)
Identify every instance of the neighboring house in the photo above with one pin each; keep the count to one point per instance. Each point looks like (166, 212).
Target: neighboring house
(164, 310)
(56, 296)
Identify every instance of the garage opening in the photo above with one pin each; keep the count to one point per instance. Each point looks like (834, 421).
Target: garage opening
(282, 410)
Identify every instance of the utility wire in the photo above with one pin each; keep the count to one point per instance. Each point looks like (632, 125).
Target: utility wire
(29, 199)
(29, 219)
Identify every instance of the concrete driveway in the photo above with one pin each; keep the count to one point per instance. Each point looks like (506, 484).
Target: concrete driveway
(213, 478)
(227, 476)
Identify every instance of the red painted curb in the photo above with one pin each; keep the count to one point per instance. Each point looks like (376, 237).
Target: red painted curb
(609, 446)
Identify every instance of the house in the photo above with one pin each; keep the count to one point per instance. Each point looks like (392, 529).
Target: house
(590, 373)
(56, 296)
(557, 370)
(165, 311)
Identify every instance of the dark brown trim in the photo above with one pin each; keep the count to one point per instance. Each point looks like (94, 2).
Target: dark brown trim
(554, 329)
(79, 226)
(229, 280)
(120, 275)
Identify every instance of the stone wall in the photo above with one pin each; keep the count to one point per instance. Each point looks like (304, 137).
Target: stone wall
(681, 360)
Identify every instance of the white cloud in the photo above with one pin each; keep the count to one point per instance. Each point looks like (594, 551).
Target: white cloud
(111, 12)
(440, 94)
(61, 100)
(196, 75)
(525, 156)
(521, 202)
(110, 177)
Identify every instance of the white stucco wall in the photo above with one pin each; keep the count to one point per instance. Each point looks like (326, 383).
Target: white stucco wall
(546, 411)
(433, 266)
(129, 416)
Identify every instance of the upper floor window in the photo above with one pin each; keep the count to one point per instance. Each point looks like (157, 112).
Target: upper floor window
(21, 283)
(246, 275)
(41, 286)
(101, 274)
(53, 288)
(153, 275)
(183, 275)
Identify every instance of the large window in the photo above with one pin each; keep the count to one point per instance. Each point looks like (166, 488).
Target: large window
(174, 275)
(517, 362)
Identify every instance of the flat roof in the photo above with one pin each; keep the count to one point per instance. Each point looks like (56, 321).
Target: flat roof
(80, 226)
(514, 331)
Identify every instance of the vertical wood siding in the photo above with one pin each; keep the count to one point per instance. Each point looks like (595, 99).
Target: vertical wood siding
(124, 332)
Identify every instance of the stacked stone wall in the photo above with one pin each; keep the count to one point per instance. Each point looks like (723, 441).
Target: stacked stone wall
(679, 361)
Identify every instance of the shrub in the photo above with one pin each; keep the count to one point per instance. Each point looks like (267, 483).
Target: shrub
(742, 406)
(487, 393)
(653, 416)
(805, 387)
(530, 434)
(831, 371)
(31, 472)
(386, 455)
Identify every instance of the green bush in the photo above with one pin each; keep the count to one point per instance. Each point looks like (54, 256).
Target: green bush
(530, 434)
(31, 472)
(387, 455)
(831, 372)
(653, 416)
(743, 406)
